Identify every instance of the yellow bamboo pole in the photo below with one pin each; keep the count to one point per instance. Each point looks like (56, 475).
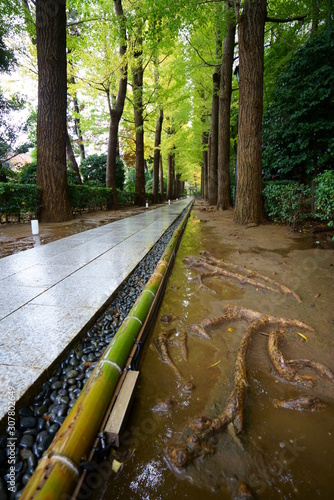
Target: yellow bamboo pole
(58, 470)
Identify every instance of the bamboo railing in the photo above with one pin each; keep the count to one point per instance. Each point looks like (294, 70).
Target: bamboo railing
(59, 469)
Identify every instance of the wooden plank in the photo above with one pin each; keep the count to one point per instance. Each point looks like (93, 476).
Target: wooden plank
(121, 407)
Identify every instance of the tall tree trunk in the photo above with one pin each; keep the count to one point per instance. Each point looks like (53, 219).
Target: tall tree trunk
(116, 107)
(248, 205)
(224, 200)
(161, 176)
(51, 115)
(71, 157)
(138, 73)
(156, 157)
(205, 138)
(78, 127)
(213, 163)
(170, 175)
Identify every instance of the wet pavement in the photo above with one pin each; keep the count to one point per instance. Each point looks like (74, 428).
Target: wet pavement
(52, 293)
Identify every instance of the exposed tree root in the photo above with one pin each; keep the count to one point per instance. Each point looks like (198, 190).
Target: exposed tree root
(322, 370)
(302, 403)
(161, 343)
(182, 343)
(209, 267)
(283, 368)
(201, 429)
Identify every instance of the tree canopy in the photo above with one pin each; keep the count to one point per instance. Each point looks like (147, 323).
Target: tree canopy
(180, 45)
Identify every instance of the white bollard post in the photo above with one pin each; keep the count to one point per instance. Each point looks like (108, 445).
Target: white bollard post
(146, 205)
(168, 202)
(34, 226)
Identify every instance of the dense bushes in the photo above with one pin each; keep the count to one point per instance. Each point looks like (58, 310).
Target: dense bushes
(325, 196)
(16, 199)
(93, 171)
(82, 196)
(19, 198)
(289, 201)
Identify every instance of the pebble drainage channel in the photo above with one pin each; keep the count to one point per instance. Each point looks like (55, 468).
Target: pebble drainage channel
(37, 424)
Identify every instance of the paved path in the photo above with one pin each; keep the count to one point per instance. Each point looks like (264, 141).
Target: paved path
(50, 293)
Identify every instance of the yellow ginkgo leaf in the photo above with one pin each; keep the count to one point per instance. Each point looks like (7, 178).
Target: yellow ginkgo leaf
(116, 465)
(302, 336)
(214, 364)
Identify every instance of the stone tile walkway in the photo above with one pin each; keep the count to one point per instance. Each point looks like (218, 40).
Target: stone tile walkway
(51, 293)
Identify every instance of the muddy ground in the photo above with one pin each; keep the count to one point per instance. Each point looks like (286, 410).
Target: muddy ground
(281, 453)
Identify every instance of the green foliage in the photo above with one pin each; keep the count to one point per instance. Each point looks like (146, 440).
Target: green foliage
(28, 174)
(96, 198)
(130, 178)
(6, 174)
(16, 198)
(72, 177)
(93, 171)
(8, 130)
(298, 127)
(84, 196)
(325, 196)
(286, 201)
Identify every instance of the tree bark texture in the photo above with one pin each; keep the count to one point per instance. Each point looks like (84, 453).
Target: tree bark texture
(248, 205)
(224, 200)
(51, 115)
(116, 108)
(73, 164)
(205, 139)
(78, 127)
(170, 176)
(156, 156)
(161, 177)
(213, 163)
(138, 74)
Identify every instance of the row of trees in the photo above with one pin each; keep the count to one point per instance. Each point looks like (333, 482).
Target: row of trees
(157, 79)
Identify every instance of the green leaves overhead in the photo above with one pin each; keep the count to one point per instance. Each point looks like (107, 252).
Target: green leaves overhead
(299, 123)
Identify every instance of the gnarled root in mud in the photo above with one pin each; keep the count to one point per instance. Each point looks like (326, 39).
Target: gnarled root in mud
(208, 267)
(161, 344)
(201, 429)
(302, 403)
(322, 370)
(282, 367)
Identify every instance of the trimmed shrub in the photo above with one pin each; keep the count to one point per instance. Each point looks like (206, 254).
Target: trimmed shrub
(17, 198)
(286, 201)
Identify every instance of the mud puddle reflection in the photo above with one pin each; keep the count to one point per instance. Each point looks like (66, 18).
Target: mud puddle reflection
(281, 453)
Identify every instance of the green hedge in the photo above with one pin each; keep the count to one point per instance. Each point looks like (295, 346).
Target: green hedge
(82, 196)
(16, 199)
(289, 201)
(286, 201)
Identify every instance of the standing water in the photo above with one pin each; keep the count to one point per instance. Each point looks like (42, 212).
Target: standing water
(281, 453)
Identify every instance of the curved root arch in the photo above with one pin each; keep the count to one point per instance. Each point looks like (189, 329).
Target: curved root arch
(195, 441)
(209, 267)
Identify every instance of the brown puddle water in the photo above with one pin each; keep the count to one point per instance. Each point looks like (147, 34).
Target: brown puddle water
(281, 453)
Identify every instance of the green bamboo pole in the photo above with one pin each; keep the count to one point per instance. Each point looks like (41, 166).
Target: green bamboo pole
(58, 470)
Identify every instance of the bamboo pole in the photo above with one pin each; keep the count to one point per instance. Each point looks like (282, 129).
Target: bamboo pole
(59, 469)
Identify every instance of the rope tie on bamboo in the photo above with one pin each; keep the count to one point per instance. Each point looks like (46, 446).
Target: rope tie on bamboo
(150, 291)
(65, 460)
(134, 317)
(112, 363)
